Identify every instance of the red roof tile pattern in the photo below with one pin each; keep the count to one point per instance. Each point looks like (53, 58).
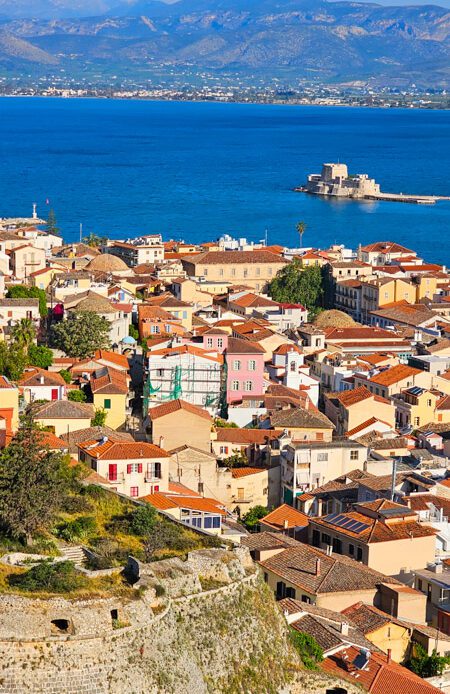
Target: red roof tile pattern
(285, 517)
(234, 257)
(121, 450)
(172, 406)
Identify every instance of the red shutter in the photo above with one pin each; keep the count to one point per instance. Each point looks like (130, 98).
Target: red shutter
(112, 472)
(54, 393)
(129, 467)
(139, 467)
(156, 488)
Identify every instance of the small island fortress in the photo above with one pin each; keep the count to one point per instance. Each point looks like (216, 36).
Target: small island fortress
(335, 181)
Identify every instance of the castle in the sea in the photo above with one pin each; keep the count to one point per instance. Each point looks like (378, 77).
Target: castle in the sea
(334, 180)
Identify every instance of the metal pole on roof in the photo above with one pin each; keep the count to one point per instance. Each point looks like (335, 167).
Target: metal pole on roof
(394, 478)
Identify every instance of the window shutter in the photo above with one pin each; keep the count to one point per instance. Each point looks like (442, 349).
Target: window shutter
(129, 468)
(139, 467)
(112, 472)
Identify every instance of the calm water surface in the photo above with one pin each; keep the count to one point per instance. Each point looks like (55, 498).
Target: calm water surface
(195, 170)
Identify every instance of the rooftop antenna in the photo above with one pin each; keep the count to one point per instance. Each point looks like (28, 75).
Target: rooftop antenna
(394, 478)
(81, 231)
(34, 211)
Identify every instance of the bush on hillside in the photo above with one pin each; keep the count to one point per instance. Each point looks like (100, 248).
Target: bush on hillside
(61, 577)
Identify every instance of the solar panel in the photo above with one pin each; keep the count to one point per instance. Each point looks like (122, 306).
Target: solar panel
(346, 522)
(415, 390)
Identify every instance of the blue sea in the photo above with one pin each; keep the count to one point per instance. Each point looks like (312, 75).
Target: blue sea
(198, 170)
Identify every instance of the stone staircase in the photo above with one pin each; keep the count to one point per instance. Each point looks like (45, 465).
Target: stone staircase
(73, 553)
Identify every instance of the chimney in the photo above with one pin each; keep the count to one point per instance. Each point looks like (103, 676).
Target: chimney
(161, 441)
(344, 628)
(317, 567)
(389, 655)
(285, 524)
(41, 380)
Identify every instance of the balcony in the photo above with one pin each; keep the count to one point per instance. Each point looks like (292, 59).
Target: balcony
(152, 479)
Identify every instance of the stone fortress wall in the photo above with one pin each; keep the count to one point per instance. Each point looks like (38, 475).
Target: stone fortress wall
(187, 640)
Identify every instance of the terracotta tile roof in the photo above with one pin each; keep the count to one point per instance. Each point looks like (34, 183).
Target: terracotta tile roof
(378, 529)
(178, 488)
(338, 573)
(32, 377)
(65, 409)
(288, 347)
(4, 383)
(361, 333)
(109, 381)
(394, 375)
(347, 398)
(172, 406)
(93, 433)
(278, 517)
(238, 346)
(234, 257)
(299, 418)
(147, 312)
(268, 540)
(387, 247)
(368, 618)
(365, 425)
(185, 349)
(379, 676)
(247, 436)
(238, 472)
(113, 357)
(14, 303)
(121, 450)
(53, 442)
(249, 300)
(165, 501)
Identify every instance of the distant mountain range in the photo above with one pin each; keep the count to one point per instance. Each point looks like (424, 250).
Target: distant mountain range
(313, 39)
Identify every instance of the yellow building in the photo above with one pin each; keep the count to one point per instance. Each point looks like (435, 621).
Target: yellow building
(64, 416)
(389, 634)
(417, 407)
(255, 269)
(110, 392)
(350, 409)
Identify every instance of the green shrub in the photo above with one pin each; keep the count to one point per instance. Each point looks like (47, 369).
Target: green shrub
(77, 395)
(79, 529)
(142, 520)
(307, 647)
(61, 577)
(159, 590)
(66, 375)
(76, 504)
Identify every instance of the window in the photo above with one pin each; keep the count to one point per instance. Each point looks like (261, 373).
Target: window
(236, 365)
(416, 421)
(241, 493)
(258, 271)
(233, 272)
(209, 342)
(224, 449)
(319, 436)
(134, 492)
(337, 545)
(359, 553)
(184, 314)
(221, 272)
(219, 342)
(235, 385)
(134, 467)
(205, 271)
(306, 598)
(248, 386)
(153, 470)
(326, 539)
(290, 592)
(245, 272)
(252, 365)
(322, 457)
(428, 403)
(419, 584)
(216, 521)
(270, 271)
(154, 329)
(293, 366)
(351, 550)
(107, 403)
(354, 455)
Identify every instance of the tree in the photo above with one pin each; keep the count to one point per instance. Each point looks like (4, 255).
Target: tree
(142, 520)
(301, 228)
(93, 240)
(76, 395)
(20, 291)
(81, 334)
(33, 482)
(13, 360)
(236, 459)
(23, 334)
(40, 356)
(253, 516)
(66, 375)
(298, 285)
(99, 418)
(155, 539)
(426, 665)
(223, 424)
(307, 647)
(51, 226)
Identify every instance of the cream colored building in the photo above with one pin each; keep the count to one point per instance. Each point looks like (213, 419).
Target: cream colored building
(254, 269)
(64, 416)
(175, 422)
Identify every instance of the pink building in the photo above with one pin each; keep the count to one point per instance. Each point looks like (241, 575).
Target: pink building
(245, 369)
(244, 362)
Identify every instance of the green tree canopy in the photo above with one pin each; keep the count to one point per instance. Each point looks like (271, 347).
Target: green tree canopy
(33, 482)
(40, 356)
(99, 418)
(76, 395)
(13, 360)
(236, 459)
(298, 285)
(307, 647)
(426, 665)
(51, 226)
(81, 334)
(253, 516)
(66, 375)
(20, 291)
(23, 334)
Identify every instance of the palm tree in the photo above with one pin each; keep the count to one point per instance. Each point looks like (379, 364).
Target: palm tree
(93, 240)
(301, 228)
(24, 333)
